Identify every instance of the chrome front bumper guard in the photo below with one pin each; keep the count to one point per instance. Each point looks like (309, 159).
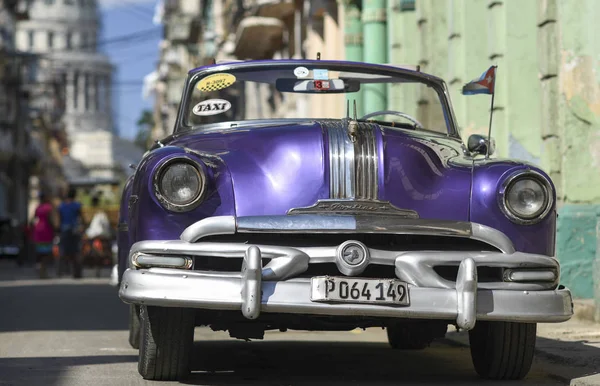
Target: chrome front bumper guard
(246, 291)
(275, 289)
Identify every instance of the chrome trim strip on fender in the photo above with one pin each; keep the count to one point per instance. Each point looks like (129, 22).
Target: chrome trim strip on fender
(306, 223)
(217, 225)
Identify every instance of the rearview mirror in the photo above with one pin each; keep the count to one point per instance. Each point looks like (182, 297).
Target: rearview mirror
(317, 86)
(478, 144)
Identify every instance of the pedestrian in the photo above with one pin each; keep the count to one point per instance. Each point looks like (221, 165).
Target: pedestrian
(43, 233)
(98, 236)
(71, 225)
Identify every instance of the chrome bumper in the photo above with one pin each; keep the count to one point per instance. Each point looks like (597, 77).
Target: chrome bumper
(247, 293)
(275, 288)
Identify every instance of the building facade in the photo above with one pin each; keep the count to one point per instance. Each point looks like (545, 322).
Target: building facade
(18, 154)
(65, 34)
(546, 110)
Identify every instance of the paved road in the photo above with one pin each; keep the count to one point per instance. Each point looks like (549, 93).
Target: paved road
(68, 332)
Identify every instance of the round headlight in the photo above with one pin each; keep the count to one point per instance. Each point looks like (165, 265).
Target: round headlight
(526, 197)
(179, 185)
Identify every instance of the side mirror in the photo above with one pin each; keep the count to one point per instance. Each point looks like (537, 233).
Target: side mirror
(478, 144)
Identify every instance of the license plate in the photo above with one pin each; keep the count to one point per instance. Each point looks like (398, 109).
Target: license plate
(349, 290)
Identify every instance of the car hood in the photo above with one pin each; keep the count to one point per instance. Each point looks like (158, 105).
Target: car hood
(278, 167)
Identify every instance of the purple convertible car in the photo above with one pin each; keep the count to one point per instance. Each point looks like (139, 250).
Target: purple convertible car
(328, 217)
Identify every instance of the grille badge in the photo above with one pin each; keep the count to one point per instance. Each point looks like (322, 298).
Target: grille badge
(352, 257)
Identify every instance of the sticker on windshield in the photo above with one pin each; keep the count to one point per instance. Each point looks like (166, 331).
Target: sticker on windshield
(321, 74)
(216, 82)
(211, 107)
(301, 72)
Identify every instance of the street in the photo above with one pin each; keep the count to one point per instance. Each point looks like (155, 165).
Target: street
(74, 332)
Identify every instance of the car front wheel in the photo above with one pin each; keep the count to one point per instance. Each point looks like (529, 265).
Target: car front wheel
(134, 326)
(167, 335)
(502, 350)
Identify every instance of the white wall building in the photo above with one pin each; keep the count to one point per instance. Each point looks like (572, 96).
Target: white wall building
(67, 32)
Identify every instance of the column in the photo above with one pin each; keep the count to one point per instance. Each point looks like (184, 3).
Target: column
(353, 44)
(81, 92)
(70, 91)
(374, 17)
(107, 98)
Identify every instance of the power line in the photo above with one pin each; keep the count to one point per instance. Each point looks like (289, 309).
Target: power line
(137, 13)
(139, 8)
(128, 38)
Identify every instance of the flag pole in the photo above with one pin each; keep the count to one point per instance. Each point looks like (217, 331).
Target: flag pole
(487, 152)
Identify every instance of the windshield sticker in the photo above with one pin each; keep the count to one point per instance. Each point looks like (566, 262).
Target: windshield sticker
(216, 82)
(321, 74)
(301, 72)
(321, 84)
(211, 107)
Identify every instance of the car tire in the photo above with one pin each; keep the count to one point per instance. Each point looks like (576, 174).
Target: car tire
(167, 335)
(134, 326)
(413, 336)
(502, 350)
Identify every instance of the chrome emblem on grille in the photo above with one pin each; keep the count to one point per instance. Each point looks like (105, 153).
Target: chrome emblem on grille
(353, 254)
(355, 207)
(352, 258)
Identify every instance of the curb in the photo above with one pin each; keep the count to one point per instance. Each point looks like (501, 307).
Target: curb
(585, 309)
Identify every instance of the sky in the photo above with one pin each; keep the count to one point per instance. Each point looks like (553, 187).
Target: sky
(133, 60)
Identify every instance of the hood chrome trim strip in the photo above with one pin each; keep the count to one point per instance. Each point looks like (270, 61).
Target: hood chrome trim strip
(353, 166)
(365, 150)
(341, 161)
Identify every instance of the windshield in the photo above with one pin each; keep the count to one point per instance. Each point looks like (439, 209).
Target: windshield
(316, 92)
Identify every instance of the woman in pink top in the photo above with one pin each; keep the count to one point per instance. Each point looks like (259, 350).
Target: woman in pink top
(43, 233)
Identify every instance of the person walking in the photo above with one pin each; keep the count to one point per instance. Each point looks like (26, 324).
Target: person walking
(71, 223)
(98, 235)
(43, 233)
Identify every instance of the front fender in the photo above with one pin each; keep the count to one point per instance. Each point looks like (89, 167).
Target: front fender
(149, 220)
(488, 177)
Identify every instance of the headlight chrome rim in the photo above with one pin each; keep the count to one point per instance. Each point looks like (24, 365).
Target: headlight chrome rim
(157, 178)
(514, 178)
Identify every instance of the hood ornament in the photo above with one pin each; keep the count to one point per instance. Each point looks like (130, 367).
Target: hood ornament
(352, 124)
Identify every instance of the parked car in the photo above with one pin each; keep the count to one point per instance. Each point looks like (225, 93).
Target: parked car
(11, 239)
(338, 219)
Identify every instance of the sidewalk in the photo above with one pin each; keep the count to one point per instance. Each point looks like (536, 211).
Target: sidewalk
(569, 351)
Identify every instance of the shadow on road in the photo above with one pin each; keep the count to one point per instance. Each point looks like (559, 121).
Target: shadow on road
(51, 371)
(62, 306)
(333, 363)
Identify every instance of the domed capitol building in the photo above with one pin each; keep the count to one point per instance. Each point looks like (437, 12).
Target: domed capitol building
(66, 32)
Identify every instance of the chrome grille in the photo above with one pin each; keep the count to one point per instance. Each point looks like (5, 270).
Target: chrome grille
(353, 166)
(341, 161)
(366, 162)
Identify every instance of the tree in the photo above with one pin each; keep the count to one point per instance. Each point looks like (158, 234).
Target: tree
(145, 124)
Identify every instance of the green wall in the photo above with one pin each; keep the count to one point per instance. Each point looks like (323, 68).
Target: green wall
(547, 102)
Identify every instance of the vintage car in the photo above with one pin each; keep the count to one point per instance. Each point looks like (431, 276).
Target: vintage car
(356, 210)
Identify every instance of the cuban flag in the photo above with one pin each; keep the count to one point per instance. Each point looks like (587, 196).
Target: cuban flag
(482, 85)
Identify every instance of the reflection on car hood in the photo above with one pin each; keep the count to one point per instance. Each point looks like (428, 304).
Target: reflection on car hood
(275, 168)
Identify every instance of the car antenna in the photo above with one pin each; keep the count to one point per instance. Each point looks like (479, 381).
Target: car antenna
(318, 56)
(348, 109)
(355, 117)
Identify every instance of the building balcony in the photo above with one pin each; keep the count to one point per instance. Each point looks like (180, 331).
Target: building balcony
(274, 8)
(183, 28)
(259, 37)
